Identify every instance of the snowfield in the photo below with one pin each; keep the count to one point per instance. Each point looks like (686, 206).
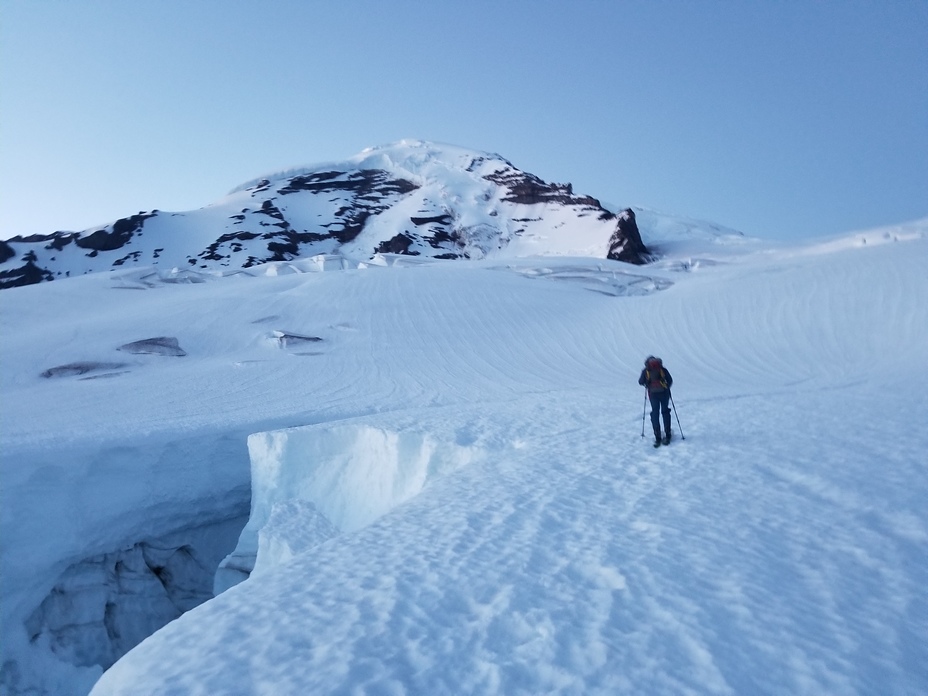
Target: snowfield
(430, 477)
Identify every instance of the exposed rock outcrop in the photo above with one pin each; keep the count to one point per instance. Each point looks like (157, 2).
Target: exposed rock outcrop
(625, 243)
(413, 198)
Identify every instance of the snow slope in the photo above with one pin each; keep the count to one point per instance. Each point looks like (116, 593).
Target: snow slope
(449, 490)
(412, 197)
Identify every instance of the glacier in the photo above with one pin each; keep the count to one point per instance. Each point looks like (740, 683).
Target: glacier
(439, 485)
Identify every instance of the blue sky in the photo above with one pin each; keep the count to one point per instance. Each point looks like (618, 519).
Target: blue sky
(785, 119)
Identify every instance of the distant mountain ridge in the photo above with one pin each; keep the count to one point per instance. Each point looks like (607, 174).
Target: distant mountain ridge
(412, 197)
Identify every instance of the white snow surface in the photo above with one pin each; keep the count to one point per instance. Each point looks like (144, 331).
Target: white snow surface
(450, 492)
(466, 193)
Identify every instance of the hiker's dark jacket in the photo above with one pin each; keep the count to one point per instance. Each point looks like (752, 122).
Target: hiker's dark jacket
(659, 381)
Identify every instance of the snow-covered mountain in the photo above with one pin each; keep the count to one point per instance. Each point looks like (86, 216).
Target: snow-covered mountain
(413, 197)
(414, 476)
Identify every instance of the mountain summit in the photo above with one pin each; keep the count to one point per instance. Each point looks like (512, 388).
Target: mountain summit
(412, 197)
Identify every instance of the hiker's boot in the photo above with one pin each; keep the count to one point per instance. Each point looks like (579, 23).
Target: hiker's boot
(667, 437)
(657, 438)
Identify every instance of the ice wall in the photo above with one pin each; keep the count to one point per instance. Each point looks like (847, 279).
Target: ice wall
(114, 540)
(312, 483)
(104, 606)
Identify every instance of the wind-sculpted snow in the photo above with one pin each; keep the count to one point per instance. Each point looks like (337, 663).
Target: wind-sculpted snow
(449, 489)
(160, 345)
(92, 368)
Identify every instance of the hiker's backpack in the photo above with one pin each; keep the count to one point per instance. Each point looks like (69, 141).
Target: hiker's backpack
(654, 377)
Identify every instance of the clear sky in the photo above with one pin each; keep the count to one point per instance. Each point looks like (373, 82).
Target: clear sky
(782, 118)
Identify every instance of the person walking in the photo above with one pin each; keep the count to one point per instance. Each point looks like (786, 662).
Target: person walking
(657, 380)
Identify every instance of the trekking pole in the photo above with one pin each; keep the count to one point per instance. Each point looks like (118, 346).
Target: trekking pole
(679, 427)
(643, 409)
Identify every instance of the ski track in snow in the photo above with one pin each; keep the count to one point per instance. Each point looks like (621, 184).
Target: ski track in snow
(781, 548)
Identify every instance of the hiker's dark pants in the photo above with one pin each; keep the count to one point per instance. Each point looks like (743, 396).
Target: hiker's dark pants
(660, 405)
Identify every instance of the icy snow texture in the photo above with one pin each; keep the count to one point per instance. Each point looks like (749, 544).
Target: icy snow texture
(309, 484)
(782, 548)
(103, 606)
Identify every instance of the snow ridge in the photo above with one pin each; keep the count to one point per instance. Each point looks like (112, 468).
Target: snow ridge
(413, 198)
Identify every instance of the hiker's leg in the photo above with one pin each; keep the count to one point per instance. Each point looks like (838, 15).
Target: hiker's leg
(655, 412)
(665, 411)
